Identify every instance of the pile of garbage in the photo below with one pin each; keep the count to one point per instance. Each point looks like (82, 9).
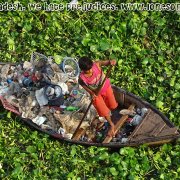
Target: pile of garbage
(47, 93)
(135, 117)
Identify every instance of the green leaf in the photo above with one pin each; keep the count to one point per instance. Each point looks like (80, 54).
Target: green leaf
(93, 48)
(58, 59)
(113, 171)
(176, 95)
(40, 146)
(73, 151)
(18, 170)
(27, 27)
(107, 28)
(145, 13)
(31, 149)
(172, 81)
(124, 165)
(34, 155)
(160, 78)
(120, 61)
(85, 41)
(71, 175)
(46, 37)
(115, 157)
(10, 41)
(162, 176)
(122, 151)
(131, 152)
(123, 26)
(159, 104)
(104, 156)
(9, 114)
(145, 61)
(104, 45)
(116, 48)
(143, 31)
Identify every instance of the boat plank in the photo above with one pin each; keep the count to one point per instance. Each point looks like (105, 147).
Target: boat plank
(152, 126)
(119, 124)
(79, 133)
(158, 129)
(170, 131)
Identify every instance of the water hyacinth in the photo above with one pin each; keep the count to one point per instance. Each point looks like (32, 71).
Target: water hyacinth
(146, 46)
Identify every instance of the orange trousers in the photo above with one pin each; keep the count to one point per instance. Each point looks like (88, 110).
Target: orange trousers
(105, 102)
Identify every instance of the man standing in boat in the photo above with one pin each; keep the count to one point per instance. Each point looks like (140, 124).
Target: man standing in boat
(91, 78)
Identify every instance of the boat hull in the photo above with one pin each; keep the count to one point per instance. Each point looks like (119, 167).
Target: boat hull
(125, 99)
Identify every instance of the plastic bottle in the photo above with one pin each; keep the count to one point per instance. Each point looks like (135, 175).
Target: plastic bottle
(27, 82)
(74, 92)
(72, 108)
(136, 120)
(99, 136)
(9, 80)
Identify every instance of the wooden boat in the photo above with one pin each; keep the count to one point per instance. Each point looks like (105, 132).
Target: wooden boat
(154, 129)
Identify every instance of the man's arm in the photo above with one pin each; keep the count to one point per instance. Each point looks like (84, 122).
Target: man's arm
(81, 82)
(106, 62)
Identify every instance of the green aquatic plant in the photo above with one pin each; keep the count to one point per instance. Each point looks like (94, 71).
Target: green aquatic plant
(146, 45)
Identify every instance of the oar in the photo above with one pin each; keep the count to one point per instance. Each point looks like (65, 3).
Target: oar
(99, 89)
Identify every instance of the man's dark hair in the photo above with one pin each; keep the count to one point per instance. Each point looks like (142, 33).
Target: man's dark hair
(85, 63)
